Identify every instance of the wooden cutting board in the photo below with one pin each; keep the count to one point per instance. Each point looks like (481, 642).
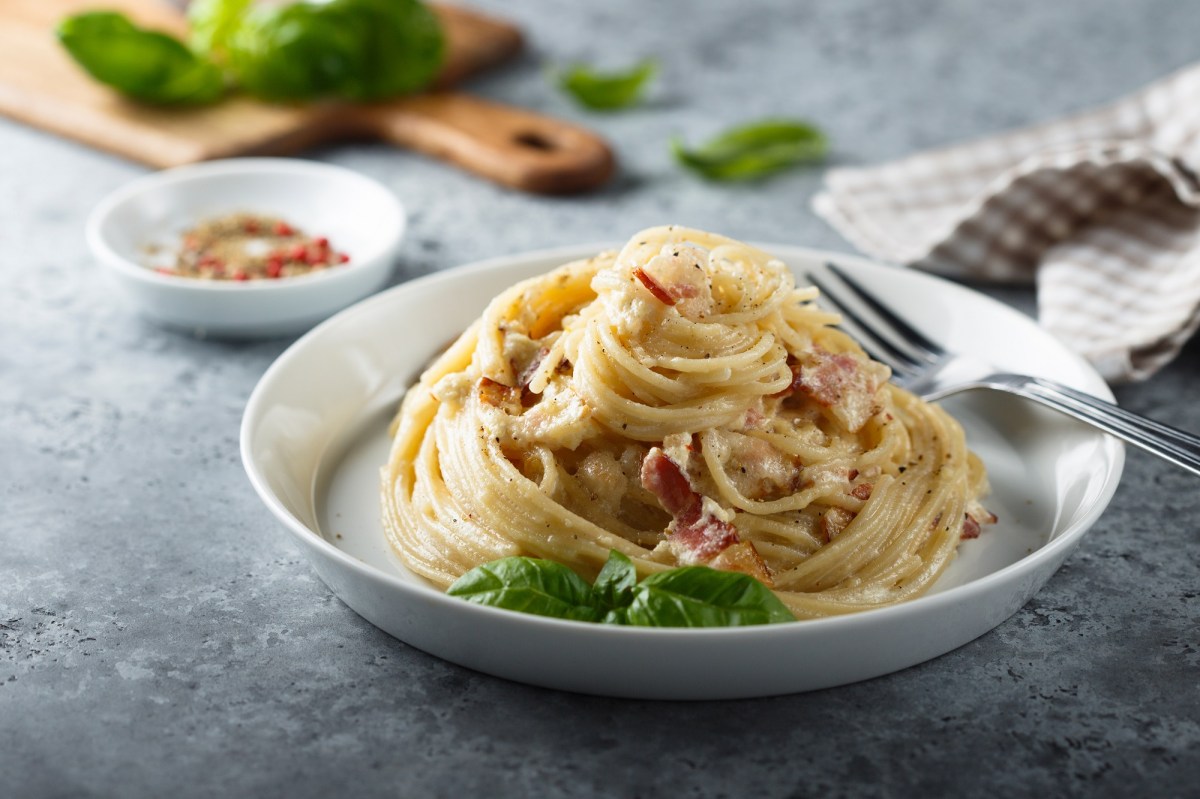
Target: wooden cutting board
(41, 86)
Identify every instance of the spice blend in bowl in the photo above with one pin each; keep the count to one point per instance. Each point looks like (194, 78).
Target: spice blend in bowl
(204, 247)
(246, 246)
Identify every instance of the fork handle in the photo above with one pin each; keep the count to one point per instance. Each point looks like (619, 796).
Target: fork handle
(1176, 446)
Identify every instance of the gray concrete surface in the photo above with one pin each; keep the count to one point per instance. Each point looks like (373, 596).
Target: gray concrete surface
(159, 636)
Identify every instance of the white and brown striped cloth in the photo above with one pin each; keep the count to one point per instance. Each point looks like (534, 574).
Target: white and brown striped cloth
(1102, 209)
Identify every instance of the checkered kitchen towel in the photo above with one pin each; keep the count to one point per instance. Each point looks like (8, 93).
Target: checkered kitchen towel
(1102, 209)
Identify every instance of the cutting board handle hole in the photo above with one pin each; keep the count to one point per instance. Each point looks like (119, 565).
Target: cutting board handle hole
(534, 140)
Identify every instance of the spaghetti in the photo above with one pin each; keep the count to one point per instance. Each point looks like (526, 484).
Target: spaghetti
(683, 402)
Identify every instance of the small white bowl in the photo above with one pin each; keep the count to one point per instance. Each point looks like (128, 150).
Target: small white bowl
(359, 216)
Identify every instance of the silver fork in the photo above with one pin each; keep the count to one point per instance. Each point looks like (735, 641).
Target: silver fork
(927, 369)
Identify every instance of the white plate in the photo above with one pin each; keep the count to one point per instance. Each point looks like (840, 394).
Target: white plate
(314, 438)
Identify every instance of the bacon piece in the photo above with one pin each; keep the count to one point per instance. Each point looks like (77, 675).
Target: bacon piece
(743, 557)
(695, 534)
(496, 394)
(663, 478)
(653, 286)
(862, 491)
(668, 294)
(974, 520)
(828, 377)
(677, 276)
(701, 537)
(833, 521)
(842, 382)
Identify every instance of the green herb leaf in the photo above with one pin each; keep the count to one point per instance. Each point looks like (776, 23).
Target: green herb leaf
(755, 150)
(354, 49)
(615, 616)
(607, 91)
(691, 596)
(697, 596)
(146, 65)
(529, 585)
(614, 584)
(212, 23)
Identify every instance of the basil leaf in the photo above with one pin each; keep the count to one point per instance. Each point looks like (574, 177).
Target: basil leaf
(614, 584)
(615, 616)
(755, 150)
(691, 596)
(529, 585)
(697, 596)
(353, 49)
(212, 23)
(144, 64)
(607, 91)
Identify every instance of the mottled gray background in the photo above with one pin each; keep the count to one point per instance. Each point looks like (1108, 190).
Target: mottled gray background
(159, 635)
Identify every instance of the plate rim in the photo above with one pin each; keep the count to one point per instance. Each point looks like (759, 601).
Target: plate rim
(314, 542)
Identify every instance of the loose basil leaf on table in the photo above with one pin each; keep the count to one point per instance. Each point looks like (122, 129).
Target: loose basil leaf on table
(529, 585)
(607, 91)
(697, 596)
(353, 49)
(755, 150)
(147, 65)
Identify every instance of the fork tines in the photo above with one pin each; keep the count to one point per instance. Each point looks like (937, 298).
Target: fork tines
(884, 335)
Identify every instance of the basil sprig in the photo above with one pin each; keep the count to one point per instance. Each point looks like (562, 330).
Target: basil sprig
(351, 49)
(607, 91)
(755, 150)
(146, 65)
(690, 596)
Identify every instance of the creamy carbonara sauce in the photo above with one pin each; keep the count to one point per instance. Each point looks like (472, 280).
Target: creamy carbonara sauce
(683, 402)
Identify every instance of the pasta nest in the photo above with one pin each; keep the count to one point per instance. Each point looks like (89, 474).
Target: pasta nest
(680, 401)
